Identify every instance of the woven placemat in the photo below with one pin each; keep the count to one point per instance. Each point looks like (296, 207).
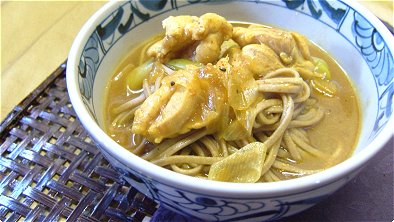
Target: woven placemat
(50, 170)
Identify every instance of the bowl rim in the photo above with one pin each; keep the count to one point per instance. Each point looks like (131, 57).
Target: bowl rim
(203, 186)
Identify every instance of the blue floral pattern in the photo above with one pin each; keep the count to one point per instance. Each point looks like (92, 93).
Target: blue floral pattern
(334, 11)
(214, 208)
(380, 61)
(87, 69)
(333, 14)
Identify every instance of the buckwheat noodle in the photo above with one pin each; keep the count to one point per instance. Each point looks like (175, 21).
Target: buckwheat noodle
(280, 123)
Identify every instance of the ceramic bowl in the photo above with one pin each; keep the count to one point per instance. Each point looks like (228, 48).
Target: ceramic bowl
(350, 33)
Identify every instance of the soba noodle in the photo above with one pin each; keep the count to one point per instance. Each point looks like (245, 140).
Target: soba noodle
(278, 139)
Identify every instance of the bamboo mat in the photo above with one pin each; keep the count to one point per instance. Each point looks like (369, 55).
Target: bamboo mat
(50, 170)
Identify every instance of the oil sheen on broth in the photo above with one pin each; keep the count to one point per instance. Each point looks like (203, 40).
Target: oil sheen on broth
(335, 135)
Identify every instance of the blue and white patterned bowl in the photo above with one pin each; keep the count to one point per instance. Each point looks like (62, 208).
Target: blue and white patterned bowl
(351, 34)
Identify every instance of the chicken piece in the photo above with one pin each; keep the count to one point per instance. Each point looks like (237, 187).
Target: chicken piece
(302, 44)
(304, 64)
(150, 109)
(212, 31)
(258, 58)
(261, 59)
(163, 113)
(190, 98)
(292, 48)
(278, 40)
(198, 39)
(174, 115)
(179, 31)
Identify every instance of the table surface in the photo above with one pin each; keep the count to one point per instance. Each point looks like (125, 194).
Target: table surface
(51, 28)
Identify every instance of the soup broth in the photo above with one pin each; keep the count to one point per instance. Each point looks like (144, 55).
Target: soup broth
(333, 138)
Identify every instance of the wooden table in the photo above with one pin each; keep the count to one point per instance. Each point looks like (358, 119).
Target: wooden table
(37, 36)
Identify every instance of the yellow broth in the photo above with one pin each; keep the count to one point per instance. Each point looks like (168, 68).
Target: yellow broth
(337, 134)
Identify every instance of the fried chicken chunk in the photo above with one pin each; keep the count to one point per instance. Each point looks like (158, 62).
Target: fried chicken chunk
(195, 38)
